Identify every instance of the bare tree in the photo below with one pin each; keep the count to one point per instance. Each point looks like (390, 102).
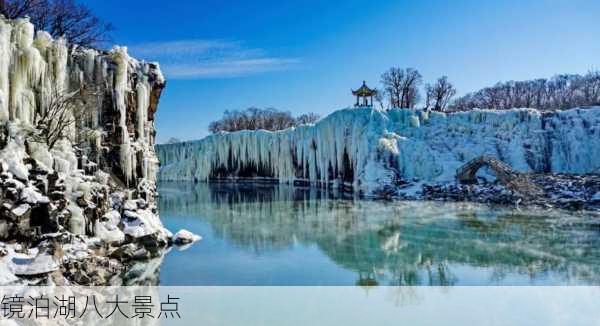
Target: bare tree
(439, 94)
(392, 85)
(410, 88)
(62, 112)
(402, 86)
(307, 118)
(61, 18)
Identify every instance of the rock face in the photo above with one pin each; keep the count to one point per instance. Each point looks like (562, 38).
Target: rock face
(374, 151)
(76, 203)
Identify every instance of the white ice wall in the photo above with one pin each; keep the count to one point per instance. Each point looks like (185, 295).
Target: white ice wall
(384, 146)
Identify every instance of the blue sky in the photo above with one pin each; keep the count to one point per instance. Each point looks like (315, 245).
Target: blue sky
(306, 55)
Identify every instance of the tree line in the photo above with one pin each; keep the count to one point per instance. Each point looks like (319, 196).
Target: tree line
(401, 88)
(256, 118)
(557, 93)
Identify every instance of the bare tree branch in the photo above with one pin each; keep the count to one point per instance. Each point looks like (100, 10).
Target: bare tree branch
(61, 18)
(61, 112)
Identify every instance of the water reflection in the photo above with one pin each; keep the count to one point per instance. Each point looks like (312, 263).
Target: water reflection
(398, 243)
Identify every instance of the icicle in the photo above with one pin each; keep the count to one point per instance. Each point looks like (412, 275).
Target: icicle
(142, 110)
(5, 58)
(27, 72)
(121, 58)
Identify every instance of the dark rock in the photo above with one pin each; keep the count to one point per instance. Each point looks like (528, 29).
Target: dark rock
(81, 278)
(82, 202)
(57, 195)
(141, 254)
(124, 252)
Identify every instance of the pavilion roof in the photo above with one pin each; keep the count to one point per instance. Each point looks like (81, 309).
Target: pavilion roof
(364, 90)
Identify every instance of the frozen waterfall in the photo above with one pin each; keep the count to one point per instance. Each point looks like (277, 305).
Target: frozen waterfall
(368, 149)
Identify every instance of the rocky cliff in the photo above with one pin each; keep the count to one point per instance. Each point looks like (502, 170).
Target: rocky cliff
(87, 199)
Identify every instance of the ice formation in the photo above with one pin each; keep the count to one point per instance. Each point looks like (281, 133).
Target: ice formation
(121, 105)
(368, 149)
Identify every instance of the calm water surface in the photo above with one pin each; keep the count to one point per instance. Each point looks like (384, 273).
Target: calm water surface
(278, 235)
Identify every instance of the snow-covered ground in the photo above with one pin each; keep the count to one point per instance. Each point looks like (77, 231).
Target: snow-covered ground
(371, 149)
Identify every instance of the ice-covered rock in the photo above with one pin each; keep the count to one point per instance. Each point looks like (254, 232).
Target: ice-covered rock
(143, 223)
(109, 232)
(130, 205)
(370, 149)
(183, 237)
(21, 210)
(41, 264)
(11, 159)
(77, 221)
(32, 196)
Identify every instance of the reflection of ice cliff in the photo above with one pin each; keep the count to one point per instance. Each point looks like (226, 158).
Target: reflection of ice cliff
(369, 149)
(397, 243)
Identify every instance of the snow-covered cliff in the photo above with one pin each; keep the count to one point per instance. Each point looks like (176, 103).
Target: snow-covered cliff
(94, 187)
(119, 109)
(370, 149)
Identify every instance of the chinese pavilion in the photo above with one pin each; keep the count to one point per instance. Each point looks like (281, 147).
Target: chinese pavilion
(363, 94)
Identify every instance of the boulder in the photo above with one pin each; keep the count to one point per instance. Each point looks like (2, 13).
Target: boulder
(183, 237)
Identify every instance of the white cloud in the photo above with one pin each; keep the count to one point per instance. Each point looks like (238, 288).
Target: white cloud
(233, 68)
(189, 59)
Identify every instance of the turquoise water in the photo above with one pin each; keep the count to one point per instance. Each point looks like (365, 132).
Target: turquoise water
(278, 235)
